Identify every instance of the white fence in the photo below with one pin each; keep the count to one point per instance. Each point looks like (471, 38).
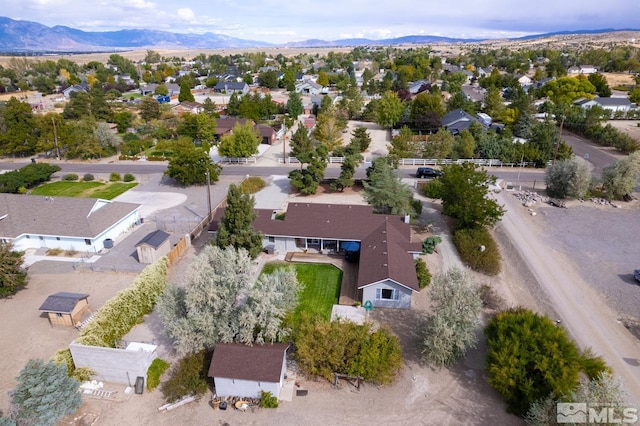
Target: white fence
(238, 160)
(428, 162)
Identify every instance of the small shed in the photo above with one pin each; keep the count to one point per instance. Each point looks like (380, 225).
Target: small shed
(66, 308)
(244, 371)
(154, 246)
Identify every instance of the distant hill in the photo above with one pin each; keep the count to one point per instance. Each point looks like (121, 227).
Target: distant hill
(32, 37)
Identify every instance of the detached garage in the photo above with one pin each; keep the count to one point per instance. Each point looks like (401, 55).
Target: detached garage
(244, 371)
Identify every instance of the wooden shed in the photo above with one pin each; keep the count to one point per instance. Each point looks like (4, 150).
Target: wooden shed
(66, 308)
(153, 247)
(240, 370)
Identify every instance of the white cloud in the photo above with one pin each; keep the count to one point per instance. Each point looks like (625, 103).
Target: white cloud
(186, 14)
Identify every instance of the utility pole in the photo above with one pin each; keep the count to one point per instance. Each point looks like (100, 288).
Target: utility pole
(208, 195)
(55, 138)
(284, 142)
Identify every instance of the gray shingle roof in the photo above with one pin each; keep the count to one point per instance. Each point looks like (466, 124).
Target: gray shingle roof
(260, 363)
(62, 302)
(59, 216)
(154, 239)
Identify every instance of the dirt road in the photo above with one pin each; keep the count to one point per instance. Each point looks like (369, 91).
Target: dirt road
(582, 311)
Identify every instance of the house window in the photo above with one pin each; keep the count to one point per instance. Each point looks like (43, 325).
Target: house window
(272, 239)
(59, 315)
(87, 241)
(28, 236)
(387, 294)
(58, 238)
(41, 238)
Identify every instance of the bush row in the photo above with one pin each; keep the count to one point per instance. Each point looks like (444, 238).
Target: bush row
(127, 308)
(157, 367)
(470, 243)
(18, 181)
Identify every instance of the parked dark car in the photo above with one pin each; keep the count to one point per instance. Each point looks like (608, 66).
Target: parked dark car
(424, 172)
(636, 275)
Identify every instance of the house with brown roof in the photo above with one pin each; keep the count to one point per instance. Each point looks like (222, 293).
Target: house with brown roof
(225, 125)
(67, 223)
(386, 269)
(245, 371)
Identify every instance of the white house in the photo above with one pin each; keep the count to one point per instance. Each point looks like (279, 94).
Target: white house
(67, 223)
(611, 104)
(308, 87)
(245, 371)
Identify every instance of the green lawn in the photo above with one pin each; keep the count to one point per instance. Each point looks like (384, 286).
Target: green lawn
(107, 191)
(321, 288)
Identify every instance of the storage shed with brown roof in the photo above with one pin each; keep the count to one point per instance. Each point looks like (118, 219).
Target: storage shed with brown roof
(245, 371)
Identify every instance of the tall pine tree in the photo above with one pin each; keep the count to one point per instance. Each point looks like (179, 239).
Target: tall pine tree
(235, 227)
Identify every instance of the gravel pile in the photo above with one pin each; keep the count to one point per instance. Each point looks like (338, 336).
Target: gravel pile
(529, 198)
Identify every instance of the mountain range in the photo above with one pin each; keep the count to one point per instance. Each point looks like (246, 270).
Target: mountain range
(18, 36)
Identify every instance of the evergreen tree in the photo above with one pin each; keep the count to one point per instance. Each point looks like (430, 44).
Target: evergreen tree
(236, 225)
(294, 105)
(189, 165)
(185, 92)
(233, 106)
(44, 394)
(385, 191)
(301, 145)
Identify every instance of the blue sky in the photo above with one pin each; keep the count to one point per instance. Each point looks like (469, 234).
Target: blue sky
(279, 21)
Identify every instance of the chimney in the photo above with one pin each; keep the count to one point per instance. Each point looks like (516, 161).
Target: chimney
(407, 218)
(273, 214)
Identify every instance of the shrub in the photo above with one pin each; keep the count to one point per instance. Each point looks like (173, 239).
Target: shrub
(424, 276)
(127, 308)
(469, 242)
(252, 184)
(529, 357)
(115, 177)
(63, 357)
(429, 244)
(129, 177)
(70, 176)
(431, 189)
(188, 377)
(88, 177)
(157, 367)
(267, 400)
(323, 348)
(18, 181)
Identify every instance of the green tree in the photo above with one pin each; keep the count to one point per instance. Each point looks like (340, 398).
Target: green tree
(328, 131)
(620, 178)
(323, 79)
(389, 109)
(529, 357)
(268, 79)
(289, 81)
(361, 138)
(12, 276)
(185, 92)
(403, 145)
(149, 109)
(236, 225)
(302, 145)
(426, 103)
(568, 178)
(189, 165)
(438, 145)
(18, 129)
(233, 107)
(307, 180)
(385, 191)
(565, 90)
(294, 105)
(45, 394)
(161, 89)
(634, 95)
(243, 142)
(494, 103)
(600, 83)
(464, 145)
(464, 194)
(450, 329)
(100, 109)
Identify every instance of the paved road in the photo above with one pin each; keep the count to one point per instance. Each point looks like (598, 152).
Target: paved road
(596, 154)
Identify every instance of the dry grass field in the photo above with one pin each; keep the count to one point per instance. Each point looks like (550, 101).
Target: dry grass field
(574, 41)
